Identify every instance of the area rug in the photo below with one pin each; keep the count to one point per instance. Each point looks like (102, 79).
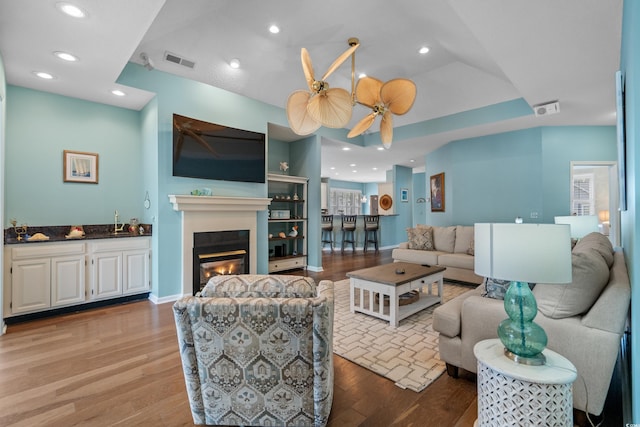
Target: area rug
(407, 355)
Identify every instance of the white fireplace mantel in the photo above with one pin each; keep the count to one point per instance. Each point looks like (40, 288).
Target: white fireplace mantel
(218, 203)
(216, 213)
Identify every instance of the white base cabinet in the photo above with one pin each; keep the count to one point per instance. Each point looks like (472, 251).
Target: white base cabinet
(44, 276)
(120, 267)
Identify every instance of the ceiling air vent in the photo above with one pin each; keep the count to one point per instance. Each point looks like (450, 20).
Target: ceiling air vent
(546, 109)
(172, 57)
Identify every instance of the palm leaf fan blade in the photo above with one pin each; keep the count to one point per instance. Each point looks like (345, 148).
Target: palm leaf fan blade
(332, 108)
(398, 95)
(368, 91)
(307, 68)
(299, 119)
(362, 125)
(338, 62)
(386, 129)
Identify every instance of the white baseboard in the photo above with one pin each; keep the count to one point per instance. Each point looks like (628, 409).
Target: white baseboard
(171, 298)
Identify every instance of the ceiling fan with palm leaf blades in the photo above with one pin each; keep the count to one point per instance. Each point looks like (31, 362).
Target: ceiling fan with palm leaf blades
(332, 107)
(320, 105)
(393, 97)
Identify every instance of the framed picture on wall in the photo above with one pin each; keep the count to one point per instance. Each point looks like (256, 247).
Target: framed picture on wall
(404, 195)
(436, 184)
(80, 167)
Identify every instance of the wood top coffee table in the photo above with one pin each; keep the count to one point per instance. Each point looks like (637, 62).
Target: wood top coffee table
(371, 288)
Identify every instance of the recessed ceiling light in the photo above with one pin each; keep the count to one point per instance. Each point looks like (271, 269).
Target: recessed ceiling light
(118, 92)
(352, 165)
(374, 168)
(423, 50)
(66, 56)
(274, 29)
(43, 75)
(362, 75)
(346, 148)
(354, 171)
(234, 63)
(411, 160)
(332, 168)
(380, 148)
(71, 10)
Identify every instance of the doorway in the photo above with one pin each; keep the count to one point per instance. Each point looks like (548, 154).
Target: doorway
(594, 191)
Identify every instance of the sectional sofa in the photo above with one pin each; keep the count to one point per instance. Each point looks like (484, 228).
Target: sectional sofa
(584, 320)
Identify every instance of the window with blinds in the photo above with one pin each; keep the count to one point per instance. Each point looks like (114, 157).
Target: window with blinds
(344, 202)
(583, 195)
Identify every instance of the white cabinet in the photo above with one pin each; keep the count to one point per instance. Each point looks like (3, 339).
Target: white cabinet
(45, 276)
(48, 275)
(120, 267)
(31, 285)
(67, 280)
(288, 211)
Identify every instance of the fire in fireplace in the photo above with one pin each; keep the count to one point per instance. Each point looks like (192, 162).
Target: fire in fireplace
(219, 252)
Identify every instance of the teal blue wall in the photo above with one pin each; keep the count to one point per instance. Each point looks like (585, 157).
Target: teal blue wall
(502, 176)
(395, 232)
(420, 191)
(39, 127)
(630, 66)
(307, 153)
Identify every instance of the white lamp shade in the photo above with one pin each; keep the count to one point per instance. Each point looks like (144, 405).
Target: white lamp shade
(534, 253)
(581, 225)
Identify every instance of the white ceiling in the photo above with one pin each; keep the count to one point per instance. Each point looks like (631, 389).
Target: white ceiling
(482, 53)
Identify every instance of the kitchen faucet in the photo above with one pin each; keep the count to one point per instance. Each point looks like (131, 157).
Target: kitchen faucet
(117, 229)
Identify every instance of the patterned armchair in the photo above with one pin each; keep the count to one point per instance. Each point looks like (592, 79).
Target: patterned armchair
(257, 350)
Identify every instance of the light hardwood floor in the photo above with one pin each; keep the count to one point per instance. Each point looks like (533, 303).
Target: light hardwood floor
(119, 366)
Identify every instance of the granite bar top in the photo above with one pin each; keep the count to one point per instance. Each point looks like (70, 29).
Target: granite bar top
(57, 233)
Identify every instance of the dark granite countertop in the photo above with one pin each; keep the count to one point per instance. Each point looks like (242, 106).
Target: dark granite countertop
(57, 233)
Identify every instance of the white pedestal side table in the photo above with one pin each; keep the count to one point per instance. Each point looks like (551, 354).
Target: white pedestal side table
(514, 394)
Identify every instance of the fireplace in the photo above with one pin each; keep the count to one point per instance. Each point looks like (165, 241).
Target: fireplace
(219, 252)
(215, 213)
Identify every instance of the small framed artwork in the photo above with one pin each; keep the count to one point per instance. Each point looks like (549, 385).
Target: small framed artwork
(404, 195)
(437, 192)
(80, 167)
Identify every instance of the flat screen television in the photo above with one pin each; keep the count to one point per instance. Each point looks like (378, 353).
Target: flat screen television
(211, 151)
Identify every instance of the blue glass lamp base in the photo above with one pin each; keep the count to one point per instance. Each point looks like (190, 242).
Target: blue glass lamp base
(523, 339)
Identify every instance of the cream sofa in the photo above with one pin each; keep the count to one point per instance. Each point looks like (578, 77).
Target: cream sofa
(450, 247)
(584, 320)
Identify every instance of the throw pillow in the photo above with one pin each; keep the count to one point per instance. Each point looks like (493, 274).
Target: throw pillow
(590, 275)
(444, 238)
(472, 245)
(420, 238)
(464, 236)
(598, 242)
(497, 288)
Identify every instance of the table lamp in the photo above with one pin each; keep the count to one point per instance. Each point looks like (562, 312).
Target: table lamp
(523, 253)
(581, 225)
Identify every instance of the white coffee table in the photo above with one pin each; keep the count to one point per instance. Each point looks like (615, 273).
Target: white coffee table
(376, 283)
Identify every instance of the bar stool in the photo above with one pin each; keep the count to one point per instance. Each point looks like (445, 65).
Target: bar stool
(371, 225)
(349, 231)
(327, 231)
